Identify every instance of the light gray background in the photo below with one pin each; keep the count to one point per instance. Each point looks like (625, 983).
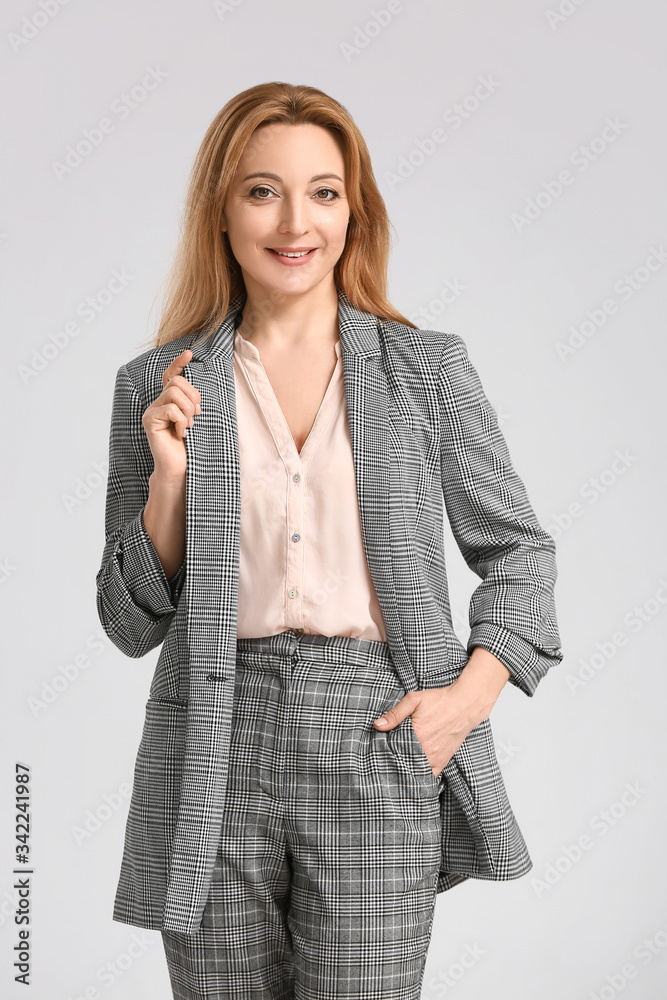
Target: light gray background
(569, 755)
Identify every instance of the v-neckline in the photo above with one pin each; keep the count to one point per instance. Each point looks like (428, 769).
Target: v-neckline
(318, 426)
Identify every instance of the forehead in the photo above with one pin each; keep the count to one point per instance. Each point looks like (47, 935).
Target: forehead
(306, 145)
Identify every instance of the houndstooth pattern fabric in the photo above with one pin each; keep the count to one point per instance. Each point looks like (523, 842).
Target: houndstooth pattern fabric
(422, 432)
(324, 883)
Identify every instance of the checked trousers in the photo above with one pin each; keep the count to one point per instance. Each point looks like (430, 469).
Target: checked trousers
(324, 884)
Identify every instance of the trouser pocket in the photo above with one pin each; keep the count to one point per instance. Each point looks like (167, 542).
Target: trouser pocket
(404, 744)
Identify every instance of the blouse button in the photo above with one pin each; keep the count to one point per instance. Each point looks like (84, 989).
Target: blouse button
(295, 537)
(291, 592)
(296, 477)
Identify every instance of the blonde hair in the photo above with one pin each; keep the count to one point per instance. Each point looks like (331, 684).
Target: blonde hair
(204, 276)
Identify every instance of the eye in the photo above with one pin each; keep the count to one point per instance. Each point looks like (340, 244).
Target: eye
(334, 193)
(260, 187)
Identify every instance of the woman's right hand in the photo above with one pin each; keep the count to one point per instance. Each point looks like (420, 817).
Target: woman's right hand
(167, 418)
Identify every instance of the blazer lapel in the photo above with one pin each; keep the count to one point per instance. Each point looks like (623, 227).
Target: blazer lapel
(210, 593)
(370, 433)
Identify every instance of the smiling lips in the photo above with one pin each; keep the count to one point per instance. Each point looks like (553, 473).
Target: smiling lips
(292, 255)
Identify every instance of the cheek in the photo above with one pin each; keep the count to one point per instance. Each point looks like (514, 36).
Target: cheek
(252, 227)
(334, 229)
(336, 241)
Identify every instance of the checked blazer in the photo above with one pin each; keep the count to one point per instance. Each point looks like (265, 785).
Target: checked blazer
(422, 432)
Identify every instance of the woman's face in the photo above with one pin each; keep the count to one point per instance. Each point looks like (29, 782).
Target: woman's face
(288, 194)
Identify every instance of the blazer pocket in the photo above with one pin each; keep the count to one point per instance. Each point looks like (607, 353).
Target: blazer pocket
(171, 702)
(156, 790)
(442, 676)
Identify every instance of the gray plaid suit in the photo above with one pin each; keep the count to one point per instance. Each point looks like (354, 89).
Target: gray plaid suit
(421, 428)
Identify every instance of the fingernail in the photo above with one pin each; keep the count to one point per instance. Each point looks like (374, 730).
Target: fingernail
(197, 407)
(382, 721)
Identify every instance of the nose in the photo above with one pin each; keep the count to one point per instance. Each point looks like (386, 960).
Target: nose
(294, 216)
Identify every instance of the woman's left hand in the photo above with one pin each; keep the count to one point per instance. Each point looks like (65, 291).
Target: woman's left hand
(443, 717)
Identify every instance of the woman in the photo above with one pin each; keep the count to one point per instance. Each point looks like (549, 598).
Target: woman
(317, 760)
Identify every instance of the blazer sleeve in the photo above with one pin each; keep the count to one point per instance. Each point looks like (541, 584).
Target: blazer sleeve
(512, 612)
(135, 601)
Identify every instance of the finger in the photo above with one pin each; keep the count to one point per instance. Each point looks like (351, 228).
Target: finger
(188, 388)
(177, 366)
(401, 710)
(173, 375)
(389, 720)
(177, 392)
(171, 412)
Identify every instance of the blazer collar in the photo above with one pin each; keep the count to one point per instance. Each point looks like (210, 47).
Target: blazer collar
(358, 330)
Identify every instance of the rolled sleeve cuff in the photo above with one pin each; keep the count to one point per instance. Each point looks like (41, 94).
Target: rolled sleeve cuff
(143, 573)
(526, 665)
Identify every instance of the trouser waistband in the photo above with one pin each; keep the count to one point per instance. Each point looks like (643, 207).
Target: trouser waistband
(314, 648)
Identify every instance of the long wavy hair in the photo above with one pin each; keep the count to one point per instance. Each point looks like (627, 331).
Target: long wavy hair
(205, 276)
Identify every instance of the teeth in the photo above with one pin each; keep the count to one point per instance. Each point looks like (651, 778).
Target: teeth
(302, 253)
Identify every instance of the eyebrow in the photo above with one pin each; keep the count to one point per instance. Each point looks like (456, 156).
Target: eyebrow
(275, 177)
